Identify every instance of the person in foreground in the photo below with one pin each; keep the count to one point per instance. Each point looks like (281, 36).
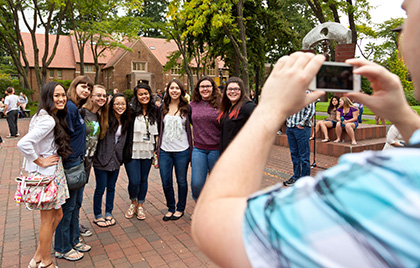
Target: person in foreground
(364, 212)
(42, 147)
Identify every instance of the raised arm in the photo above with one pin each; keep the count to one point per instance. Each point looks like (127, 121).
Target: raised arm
(388, 100)
(217, 224)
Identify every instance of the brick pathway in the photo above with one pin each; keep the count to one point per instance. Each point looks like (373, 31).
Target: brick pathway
(130, 243)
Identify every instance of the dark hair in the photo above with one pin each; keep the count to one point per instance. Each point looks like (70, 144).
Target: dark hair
(137, 108)
(72, 94)
(331, 106)
(227, 105)
(9, 89)
(215, 95)
(183, 102)
(112, 119)
(61, 128)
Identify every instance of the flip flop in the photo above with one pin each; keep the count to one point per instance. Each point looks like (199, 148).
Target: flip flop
(325, 140)
(110, 221)
(101, 221)
(68, 254)
(81, 247)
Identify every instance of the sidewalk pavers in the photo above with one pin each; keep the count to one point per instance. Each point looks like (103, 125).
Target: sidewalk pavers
(130, 243)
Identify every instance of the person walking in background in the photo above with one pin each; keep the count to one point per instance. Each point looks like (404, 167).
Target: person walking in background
(42, 148)
(109, 158)
(95, 114)
(67, 244)
(175, 147)
(347, 115)
(205, 106)
(235, 110)
(142, 135)
(330, 122)
(298, 131)
(11, 111)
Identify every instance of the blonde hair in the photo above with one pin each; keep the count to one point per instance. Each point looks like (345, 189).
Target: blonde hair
(347, 102)
(103, 111)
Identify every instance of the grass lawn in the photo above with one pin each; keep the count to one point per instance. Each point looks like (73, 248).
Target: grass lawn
(323, 107)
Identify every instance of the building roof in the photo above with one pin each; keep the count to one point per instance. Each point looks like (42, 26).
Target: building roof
(88, 55)
(64, 56)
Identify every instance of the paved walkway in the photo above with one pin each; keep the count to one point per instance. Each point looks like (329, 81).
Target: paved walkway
(130, 243)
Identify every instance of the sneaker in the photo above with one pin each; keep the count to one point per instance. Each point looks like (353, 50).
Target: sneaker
(84, 231)
(17, 135)
(279, 132)
(289, 182)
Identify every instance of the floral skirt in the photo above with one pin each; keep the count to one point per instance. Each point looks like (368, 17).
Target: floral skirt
(62, 190)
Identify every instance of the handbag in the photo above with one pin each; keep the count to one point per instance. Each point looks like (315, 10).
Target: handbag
(35, 189)
(76, 177)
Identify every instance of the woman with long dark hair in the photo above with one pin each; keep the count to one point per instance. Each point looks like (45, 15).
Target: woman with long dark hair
(67, 244)
(329, 122)
(235, 109)
(175, 147)
(140, 146)
(205, 106)
(42, 147)
(109, 158)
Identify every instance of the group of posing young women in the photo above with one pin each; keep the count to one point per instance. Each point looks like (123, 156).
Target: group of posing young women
(82, 126)
(342, 114)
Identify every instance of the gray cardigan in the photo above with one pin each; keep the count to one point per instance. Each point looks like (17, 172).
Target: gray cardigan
(109, 155)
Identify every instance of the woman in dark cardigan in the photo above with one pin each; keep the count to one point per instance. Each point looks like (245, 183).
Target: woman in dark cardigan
(108, 159)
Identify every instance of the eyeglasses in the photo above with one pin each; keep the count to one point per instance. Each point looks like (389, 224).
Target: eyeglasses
(233, 89)
(206, 86)
(120, 104)
(100, 95)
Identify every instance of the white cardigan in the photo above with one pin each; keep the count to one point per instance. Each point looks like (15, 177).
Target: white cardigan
(39, 142)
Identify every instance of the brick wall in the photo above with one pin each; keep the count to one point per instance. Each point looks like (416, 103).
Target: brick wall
(344, 52)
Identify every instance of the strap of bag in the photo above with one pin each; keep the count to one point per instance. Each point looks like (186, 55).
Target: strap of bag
(23, 166)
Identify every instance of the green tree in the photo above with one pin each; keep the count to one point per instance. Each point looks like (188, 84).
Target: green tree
(42, 12)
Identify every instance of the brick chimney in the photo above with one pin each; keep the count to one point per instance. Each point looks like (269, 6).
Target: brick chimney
(344, 52)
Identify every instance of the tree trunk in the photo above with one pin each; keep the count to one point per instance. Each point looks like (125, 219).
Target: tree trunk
(353, 29)
(244, 54)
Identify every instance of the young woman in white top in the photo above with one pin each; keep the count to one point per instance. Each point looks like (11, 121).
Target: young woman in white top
(175, 147)
(42, 147)
(140, 147)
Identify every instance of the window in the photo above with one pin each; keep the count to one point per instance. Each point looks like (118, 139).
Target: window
(51, 73)
(138, 54)
(60, 74)
(176, 69)
(211, 71)
(90, 68)
(139, 67)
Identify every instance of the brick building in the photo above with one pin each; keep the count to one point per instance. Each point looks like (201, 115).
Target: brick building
(119, 68)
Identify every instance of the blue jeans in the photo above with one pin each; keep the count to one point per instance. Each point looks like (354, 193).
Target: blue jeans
(202, 161)
(104, 179)
(138, 174)
(67, 232)
(359, 118)
(299, 150)
(167, 161)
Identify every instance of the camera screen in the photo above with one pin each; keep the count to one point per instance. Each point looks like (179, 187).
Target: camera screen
(335, 77)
